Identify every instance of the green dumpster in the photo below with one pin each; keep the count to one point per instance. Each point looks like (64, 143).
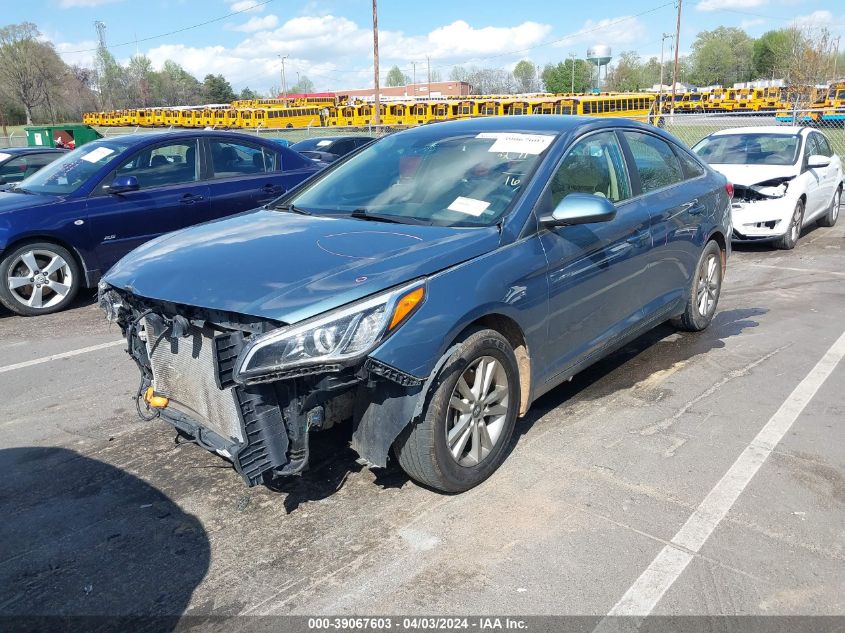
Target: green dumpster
(60, 135)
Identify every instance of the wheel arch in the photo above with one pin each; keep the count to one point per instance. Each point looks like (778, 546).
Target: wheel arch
(719, 237)
(511, 330)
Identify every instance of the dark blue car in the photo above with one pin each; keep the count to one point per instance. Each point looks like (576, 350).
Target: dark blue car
(429, 288)
(62, 227)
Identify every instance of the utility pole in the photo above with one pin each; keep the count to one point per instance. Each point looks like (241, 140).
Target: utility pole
(428, 61)
(573, 57)
(377, 97)
(660, 90)
(413, 89)
(284, 81)
(677, 48)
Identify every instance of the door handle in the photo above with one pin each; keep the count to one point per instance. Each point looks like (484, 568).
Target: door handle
(693, 207)
(190, 198)
(638, 239)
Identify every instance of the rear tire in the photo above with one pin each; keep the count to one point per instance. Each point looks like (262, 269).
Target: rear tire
(832, 215)
(704, 291)
(788, 241)
(468, 421)
(38, 278)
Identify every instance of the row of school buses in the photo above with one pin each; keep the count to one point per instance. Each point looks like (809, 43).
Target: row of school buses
(333, 110)
(327, 112)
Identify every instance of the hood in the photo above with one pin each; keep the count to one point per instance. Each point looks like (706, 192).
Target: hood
(288, 267)
(748, 175)
(18, 201)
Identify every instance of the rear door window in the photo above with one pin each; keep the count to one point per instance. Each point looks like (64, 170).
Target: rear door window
(657, 164)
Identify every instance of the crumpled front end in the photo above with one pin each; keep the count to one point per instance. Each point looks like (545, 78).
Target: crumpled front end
(188, 358)
(763, 211)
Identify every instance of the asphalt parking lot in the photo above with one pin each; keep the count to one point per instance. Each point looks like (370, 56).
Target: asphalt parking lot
(106, 514)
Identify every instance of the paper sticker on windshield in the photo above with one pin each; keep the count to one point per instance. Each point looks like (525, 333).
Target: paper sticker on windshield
(470, 206)
(98, 154)
(515, 143)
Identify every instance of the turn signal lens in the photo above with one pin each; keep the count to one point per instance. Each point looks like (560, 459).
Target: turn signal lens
(730, 189)
(406, 305)
(154, 401)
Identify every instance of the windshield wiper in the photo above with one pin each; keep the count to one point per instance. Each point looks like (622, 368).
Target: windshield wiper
(292, 208)
(17, 189)
(363, 214)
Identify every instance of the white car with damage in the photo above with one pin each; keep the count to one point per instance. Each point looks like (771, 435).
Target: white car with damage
(784, 178)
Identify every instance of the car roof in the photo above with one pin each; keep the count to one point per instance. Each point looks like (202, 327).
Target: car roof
(177, 134)
(334, 138)
(548, 123)
(33, 150)
(785, 130)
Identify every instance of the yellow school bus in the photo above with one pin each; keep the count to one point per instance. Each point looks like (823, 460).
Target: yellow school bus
(553, 106)
(516, 107)
(637, 105)
(296, 117)
(489, 108)
(463, 109)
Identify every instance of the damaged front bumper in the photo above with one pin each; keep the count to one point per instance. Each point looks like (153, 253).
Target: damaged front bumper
(187, 359)
(761, 212)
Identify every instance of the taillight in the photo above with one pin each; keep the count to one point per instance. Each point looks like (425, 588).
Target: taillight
(730, 189)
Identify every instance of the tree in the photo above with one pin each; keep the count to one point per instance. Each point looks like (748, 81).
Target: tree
(215, 89)
(722, 56)
(525, 75)
(248, 93)
(627, 75)
(772, 52)
(138, 74)
(304, 85)
(395, 77)
(558, 77)
(30, 70)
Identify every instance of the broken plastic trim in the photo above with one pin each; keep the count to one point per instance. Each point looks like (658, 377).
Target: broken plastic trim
(765, 190)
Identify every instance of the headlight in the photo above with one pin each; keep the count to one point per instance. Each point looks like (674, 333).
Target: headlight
(109, 301)
(337, 337)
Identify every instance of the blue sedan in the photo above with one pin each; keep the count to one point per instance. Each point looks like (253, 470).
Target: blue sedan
(68, 223)
(428, 288)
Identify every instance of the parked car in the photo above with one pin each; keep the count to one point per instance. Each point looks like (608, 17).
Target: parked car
(16, 163)
(784, 179)
(328, 149)
(65, 225)
(430, 287)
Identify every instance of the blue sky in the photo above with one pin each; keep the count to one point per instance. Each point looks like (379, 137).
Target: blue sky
(331, 41)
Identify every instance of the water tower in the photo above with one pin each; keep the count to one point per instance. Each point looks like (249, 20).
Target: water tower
(599, 55)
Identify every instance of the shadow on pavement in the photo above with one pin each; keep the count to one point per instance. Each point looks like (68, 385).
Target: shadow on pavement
(79, 537)
(656, 350)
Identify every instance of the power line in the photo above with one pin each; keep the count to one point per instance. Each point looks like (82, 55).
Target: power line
(182, 30)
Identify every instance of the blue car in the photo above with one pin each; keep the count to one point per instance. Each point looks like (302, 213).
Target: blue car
(65, 225)
(16, 163)
(428, 288)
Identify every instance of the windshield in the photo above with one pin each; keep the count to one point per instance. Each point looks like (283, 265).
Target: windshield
(429, 176)
(71, 171)
(749, 149)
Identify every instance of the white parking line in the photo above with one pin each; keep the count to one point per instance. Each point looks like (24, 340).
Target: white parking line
(811, 271)
(664, 570)
(47, 359)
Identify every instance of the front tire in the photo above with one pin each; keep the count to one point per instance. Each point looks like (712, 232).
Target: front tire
(832, 215)
(704, 292)
(38, 278)
(468, 421)
(790, 239)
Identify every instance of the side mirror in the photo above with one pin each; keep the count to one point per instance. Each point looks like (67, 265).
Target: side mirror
(817, 160)
(580, 208)
(123, 184)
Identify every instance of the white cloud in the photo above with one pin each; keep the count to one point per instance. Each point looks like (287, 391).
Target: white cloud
(257, 24)
(83, 58)
(619, 32)
(720, 5)
(69, 4)
(815, 19)
(246, 5)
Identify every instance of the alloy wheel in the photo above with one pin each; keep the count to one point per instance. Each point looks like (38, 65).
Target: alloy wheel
(795, 227)
(39, 278)
(708, 286)
(837, 200)
(477, 410)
